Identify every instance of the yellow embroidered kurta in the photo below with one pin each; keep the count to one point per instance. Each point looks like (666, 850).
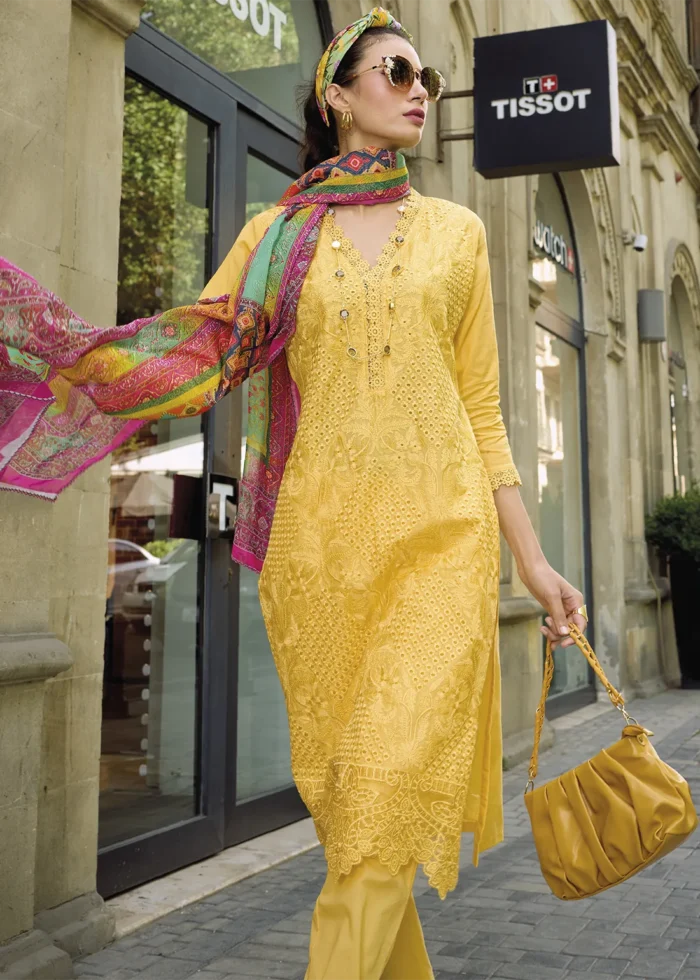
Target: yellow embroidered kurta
(380, 585)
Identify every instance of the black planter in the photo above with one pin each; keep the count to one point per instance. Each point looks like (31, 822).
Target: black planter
(685, 596)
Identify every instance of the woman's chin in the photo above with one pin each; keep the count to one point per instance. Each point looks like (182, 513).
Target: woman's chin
(411, 134)
(403, 137)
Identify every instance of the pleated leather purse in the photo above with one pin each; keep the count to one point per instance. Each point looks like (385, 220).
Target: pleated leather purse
(611, 817)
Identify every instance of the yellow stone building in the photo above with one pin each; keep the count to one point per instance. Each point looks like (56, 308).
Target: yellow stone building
(142, 727)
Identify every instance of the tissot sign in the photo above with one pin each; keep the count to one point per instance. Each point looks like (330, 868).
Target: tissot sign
(546, 100)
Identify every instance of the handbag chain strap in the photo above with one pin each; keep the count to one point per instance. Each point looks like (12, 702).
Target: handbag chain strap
(614, 695)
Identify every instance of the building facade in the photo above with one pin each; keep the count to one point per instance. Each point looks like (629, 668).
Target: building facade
(142, 723)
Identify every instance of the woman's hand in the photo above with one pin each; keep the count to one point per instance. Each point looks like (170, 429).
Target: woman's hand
(560, 599)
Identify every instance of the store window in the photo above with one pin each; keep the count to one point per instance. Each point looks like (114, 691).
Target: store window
(554, 267)
(149, 776)
(678, 388)
(266, 46)
(560, 416)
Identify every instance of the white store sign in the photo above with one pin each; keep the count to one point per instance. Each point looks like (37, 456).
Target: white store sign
(262, 14)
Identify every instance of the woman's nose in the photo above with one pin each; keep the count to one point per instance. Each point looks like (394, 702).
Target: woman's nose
(419, 91)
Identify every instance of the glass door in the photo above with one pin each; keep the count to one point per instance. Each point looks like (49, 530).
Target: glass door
(153, 784)
(562, 468)
(195, 746)
(262, 795)
(560, 492)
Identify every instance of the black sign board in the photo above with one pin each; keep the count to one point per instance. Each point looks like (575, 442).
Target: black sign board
(546, 100)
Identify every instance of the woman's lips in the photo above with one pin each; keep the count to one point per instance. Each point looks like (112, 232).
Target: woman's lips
(416, 116)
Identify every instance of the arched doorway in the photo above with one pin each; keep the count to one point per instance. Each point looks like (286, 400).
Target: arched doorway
(561, 442)
(678, 386)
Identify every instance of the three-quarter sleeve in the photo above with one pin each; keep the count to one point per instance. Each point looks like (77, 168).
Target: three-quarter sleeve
(476, 359)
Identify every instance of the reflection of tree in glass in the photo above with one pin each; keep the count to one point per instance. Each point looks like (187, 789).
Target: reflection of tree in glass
(257, 207)
(212, 31)
(163, 235)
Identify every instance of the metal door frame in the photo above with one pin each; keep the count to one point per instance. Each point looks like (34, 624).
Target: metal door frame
(241, 123)
(249, 819)
(571, 331)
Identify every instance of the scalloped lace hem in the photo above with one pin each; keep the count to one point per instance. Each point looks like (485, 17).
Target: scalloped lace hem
(393, 815)
(508, 477)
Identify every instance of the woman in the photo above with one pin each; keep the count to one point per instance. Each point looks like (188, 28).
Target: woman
(362, 312)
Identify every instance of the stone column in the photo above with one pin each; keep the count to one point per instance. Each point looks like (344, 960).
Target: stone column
(26, 661)
(66, 904)
(61, 72)
(32, 119)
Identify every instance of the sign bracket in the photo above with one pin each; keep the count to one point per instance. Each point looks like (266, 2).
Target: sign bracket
(450, 135)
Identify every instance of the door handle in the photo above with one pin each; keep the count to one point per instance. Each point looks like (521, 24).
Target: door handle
(221, 510)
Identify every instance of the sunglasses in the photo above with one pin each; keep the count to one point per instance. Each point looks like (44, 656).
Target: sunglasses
(402, 75)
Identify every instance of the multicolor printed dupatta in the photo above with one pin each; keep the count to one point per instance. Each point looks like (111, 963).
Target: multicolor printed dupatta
(71, 392)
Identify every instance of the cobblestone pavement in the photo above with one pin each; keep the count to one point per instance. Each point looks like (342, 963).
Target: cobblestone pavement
(500, 922)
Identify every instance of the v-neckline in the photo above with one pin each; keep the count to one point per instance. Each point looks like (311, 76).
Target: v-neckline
(391, 245)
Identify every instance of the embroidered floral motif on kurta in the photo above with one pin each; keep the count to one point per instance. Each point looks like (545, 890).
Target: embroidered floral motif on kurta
(380, 584)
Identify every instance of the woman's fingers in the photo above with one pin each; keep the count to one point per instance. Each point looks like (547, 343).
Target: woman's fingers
(549, 632)
(555, 606)
(578, 620)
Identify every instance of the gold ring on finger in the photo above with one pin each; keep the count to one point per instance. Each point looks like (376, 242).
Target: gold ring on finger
(582, 611)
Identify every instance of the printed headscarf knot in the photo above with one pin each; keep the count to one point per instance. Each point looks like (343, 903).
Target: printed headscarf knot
(341, 44)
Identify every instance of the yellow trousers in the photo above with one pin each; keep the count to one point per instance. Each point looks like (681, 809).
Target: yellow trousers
(366, 927)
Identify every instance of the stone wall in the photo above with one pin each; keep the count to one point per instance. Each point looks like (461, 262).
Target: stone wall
(60, 158)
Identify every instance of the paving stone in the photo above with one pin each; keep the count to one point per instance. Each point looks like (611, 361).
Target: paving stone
(123, 974)
(684, 923)
(610, 911)
(434, 946)
(542, 959)
(531, 918)
(685, 945)
(526, 971)
(646, 925)
(601, 925)
(591, 943)
(445, 975)
(581, 964)
(611, 967)
(592, 975)
(557, 927)
(625, 951)
(284, 939)
(494, 954)
(169, 969)
(454, 949)
(651, 965)
(270, 970)
(452, 964)
(535, 942)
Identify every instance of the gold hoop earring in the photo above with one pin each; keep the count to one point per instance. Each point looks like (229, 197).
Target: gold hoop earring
(346, 121)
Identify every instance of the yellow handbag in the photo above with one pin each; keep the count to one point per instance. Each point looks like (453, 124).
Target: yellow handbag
(607, 819)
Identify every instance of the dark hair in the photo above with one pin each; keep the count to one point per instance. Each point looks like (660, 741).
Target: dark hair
(320, 141)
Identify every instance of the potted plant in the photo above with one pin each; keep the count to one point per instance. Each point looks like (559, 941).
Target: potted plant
(673, 527)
